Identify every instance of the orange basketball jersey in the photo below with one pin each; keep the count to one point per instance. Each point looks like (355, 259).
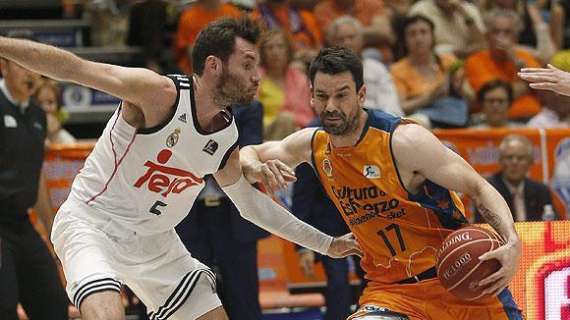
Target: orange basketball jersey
(399, 232)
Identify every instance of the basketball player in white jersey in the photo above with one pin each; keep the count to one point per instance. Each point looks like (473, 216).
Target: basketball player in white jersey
(117, 226)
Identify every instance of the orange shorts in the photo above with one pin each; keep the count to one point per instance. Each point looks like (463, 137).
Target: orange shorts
(428, 300)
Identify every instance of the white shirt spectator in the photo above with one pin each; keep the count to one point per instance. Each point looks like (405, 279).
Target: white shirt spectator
(381, 92)
(451, 33)
(547, 119)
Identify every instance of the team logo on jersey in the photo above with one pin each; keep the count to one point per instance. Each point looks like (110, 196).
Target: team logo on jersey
(210, 147)
(327, 167)
(166, 180)
(172, 139)
(371, 171)
(182, 118)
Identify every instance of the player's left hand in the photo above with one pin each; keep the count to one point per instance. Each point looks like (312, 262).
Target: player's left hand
(508, 256)
(344, 246)
(274, 174)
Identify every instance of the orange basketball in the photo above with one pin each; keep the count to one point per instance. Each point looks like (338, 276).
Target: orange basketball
(458, 266)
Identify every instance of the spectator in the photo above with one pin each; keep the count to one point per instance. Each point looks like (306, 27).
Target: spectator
(284, 91)
(216, 234)
(381, 93)
(525, 197)
(459, 28)
(192, 20)
(105, 13)
(311, 204)
(147, 29)
(47, 96)
(502, 60)
(28, 273)
(543, 29)
(495, 97)
(555, 114)
(377, 29)
(300, 26)
(423, 78)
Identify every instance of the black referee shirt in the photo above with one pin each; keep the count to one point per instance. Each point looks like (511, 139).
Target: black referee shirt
(22, 136)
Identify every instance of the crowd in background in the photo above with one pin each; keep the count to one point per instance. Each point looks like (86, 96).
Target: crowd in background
(442, 63)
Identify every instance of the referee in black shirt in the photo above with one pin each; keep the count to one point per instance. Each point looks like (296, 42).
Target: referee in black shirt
(28, 273)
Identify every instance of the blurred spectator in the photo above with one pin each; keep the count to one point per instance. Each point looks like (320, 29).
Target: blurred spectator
(377, 30)
(526, 198)
(216, 234)
(495, 97)
(312, 205)
(47, 96)
(300, 26)
(423, 77)
(381, 93)
(102, 14)
(147, 29)
(554, 114)
(543, 24)
(398, 7)
(458, 24)
(284, 91)
(28, 273)
(502, 60)
(192, 20)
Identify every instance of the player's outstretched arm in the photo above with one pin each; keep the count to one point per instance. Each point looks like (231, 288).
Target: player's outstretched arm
(550, 78)
(266, 213)
(418, 150)
(272, 163)
(139, 86)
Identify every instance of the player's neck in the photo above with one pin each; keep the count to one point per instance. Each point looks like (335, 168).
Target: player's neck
(350, 139)
(206, 109)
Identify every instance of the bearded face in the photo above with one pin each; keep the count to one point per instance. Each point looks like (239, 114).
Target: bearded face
(231, 90)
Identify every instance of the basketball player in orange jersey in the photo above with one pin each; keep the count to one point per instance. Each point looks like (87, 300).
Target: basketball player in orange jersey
(391, 181)
(147, 169)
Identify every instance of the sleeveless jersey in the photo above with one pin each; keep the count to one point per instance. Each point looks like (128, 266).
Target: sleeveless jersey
(148, 179)
(399, 232)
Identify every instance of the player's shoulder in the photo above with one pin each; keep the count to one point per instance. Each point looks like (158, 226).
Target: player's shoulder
(409, 134)
(382, 120)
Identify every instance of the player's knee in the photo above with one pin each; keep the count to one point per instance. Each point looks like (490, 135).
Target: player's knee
(104, 305)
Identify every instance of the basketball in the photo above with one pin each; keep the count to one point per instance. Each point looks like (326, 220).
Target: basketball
(458, 266)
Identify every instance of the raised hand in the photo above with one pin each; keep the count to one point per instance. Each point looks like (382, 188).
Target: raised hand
(344, 246)
(550, 78)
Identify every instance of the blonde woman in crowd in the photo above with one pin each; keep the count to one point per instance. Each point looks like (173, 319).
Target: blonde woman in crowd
(284, 91)
(47, 96)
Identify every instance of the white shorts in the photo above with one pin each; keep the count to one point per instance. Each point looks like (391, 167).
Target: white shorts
(98, 254)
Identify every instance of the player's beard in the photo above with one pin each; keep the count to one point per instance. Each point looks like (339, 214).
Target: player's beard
(231, 90)
(347, 124)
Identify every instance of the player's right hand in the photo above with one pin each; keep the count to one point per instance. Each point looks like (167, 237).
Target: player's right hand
(550, 78)
(274, 174)
(344, 246)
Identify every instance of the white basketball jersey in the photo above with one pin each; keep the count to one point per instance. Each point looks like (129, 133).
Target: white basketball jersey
(148, 179)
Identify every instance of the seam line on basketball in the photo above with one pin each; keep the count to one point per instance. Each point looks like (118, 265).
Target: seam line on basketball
(460, 247)
(472, 270)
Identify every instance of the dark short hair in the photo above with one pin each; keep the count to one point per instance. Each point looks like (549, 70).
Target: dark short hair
(218, 39)
(335, 60)
(492, 85)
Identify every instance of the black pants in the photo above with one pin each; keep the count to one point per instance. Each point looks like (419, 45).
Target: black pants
(207, 233)
(339, 294)
(28, 275)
